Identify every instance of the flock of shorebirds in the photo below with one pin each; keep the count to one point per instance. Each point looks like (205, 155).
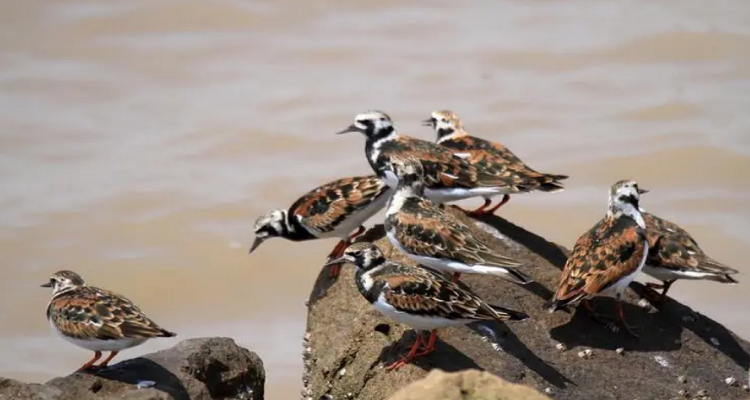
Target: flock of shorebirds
(412, 178)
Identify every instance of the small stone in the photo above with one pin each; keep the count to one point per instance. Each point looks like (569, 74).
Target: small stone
(683, 393)
(548, 391)
(145, 384)
(682, 379)
(643, 303)
(350, 395)
(561, 347)
(342, 372)
(307, 303)
(731, 381)
(661, 361)
(620, 351)
(688, 318)
(307, 336)
(746, 388)
(702, 393)
(585, 354)
(715, 341)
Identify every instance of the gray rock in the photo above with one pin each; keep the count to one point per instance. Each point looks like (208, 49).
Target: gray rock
(194, 369)
(346, 332)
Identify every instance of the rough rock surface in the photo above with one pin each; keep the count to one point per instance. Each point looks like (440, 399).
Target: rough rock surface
(471, 384)
(680, 354)
(194, 369)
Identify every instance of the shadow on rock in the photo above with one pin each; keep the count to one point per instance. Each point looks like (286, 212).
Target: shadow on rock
(711, 332)
(536, 244)
(445, 357)
(499, 334)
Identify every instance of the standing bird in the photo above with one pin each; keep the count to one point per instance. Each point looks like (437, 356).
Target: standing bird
(609, 256)
(673, 254)
(417, 297)
(490, 156)
(97, 319)
(335, 209)
(432, 237)
(447, 177)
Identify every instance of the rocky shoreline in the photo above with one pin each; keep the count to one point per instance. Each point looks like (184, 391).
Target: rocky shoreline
(681, 354)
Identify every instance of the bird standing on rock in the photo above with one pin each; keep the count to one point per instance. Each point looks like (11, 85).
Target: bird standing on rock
(432, 237)
(335, 209)
(609, 256)
(674, 254)
(417, 297)
(97, 319)
(447, 177)
(492, 157)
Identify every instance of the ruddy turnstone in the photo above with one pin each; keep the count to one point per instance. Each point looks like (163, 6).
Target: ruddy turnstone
(609, 256)
(97, 319)
(673, 254)
(417, 297)
(447, 177)
(490, 156)
(335, 209)
(434, 238)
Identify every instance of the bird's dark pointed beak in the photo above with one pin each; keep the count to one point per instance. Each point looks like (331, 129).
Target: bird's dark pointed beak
(255, 245)
(642, 191)
(47, 285)
(337, 261)
(348, 129)
(428, 122)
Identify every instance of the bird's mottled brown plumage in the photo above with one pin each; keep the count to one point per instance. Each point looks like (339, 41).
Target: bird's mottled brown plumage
(491, 157)
(88, 312)
(442, 168)
(417, 291)
(672, 248)
(611, 250)
(423, 229)
(325, 207)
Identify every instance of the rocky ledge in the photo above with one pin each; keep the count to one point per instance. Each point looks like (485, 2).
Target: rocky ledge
(680, 353)
(194, 369)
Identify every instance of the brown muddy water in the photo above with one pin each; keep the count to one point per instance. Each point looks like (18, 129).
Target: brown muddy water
(139, 140)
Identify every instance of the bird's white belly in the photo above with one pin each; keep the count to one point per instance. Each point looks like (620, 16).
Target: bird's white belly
(415, 321)
(665, 274)
(444, 195)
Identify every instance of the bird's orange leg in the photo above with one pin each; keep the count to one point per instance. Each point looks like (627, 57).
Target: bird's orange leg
(95, 358)
(502, 202)
(109, 358)
(338, 251)
(625, 325)
(410, 356)
(481, 210)
(430, 345)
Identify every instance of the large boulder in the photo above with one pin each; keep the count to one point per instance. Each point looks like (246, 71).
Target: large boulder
(680, 353)
(194, 369)
(471, 384)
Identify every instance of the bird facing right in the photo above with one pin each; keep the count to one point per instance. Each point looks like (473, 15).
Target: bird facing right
(674, 254)
(608, 257)
(417, 297)
(97, 319)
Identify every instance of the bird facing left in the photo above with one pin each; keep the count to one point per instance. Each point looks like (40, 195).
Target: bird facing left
(97, 319)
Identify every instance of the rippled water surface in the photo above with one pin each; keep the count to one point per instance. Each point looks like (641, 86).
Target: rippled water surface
(140, 139)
